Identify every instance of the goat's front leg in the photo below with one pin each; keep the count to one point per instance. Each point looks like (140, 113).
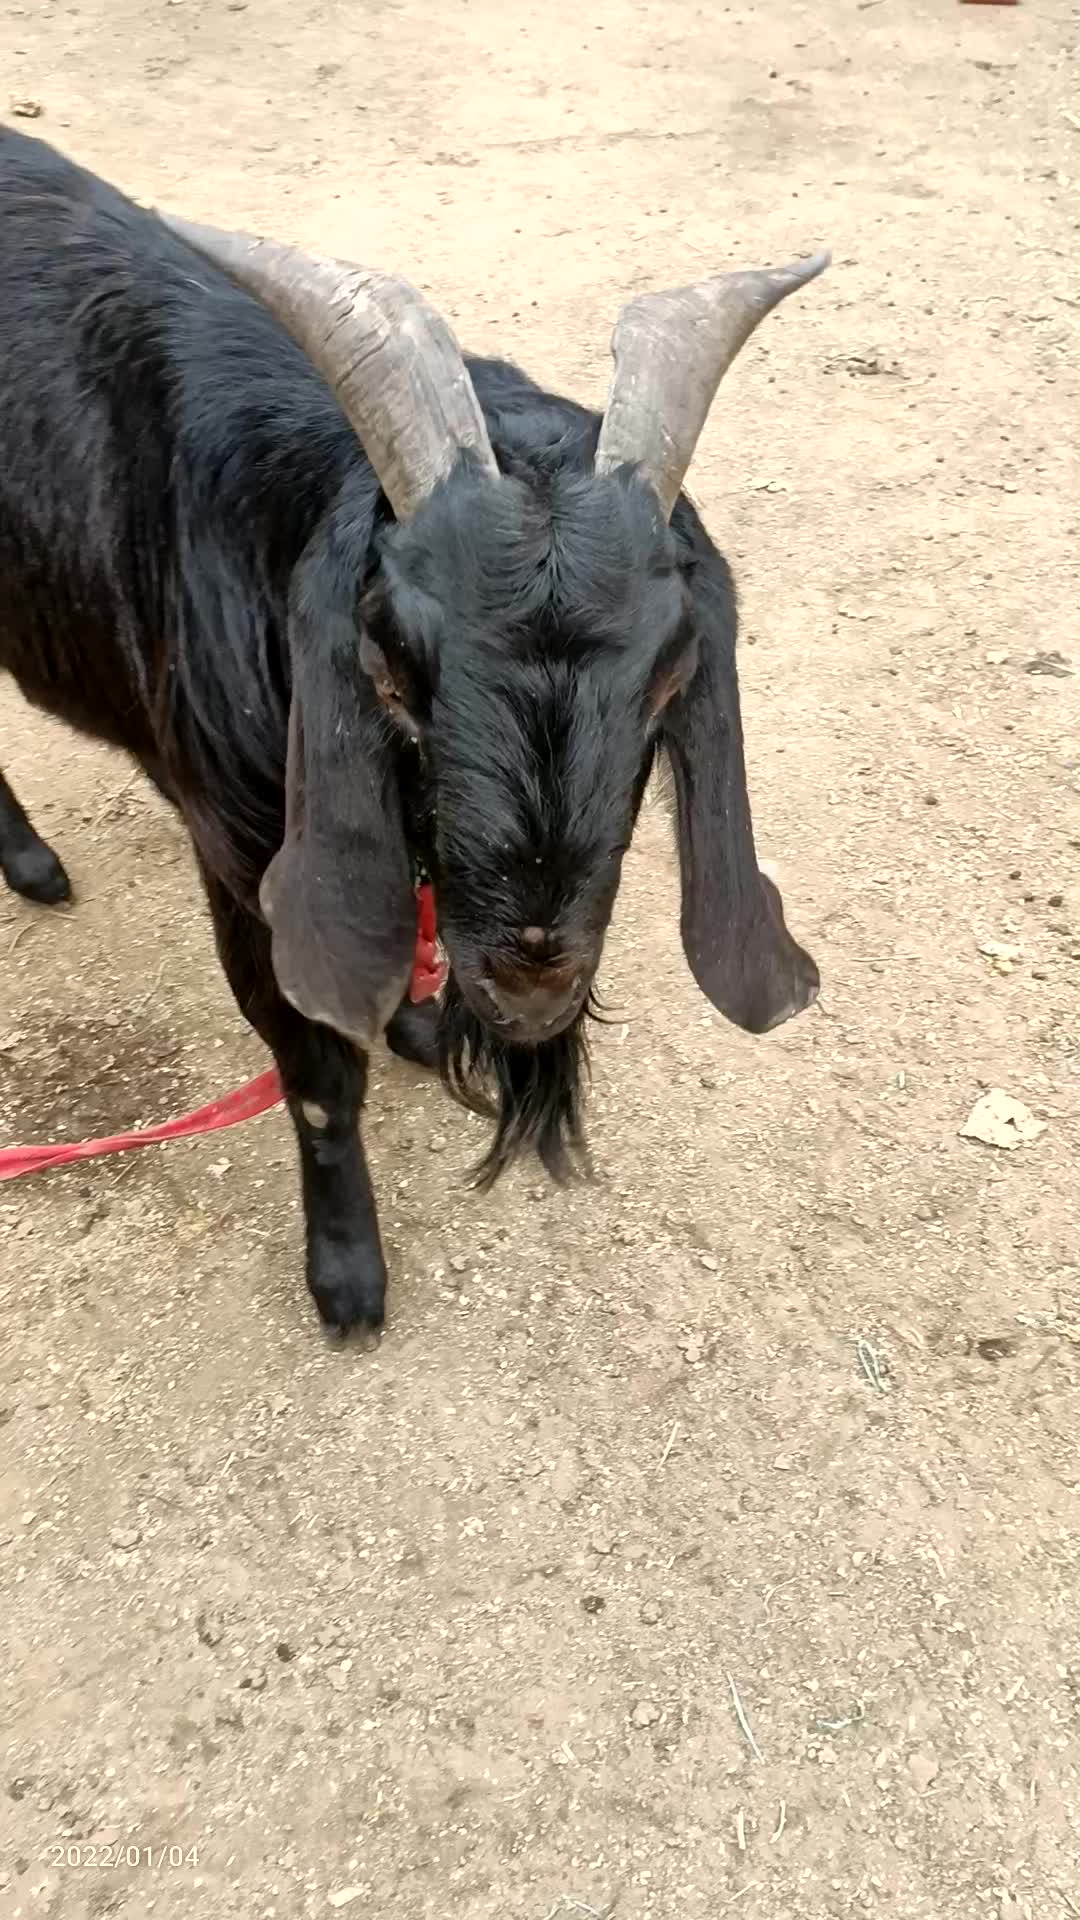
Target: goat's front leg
(413, 1033)
(27, 864)
(324, 1079)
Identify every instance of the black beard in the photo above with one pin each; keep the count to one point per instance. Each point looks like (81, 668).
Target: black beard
(532, 1093)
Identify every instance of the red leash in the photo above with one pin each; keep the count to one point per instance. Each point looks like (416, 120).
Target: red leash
(258, 1096)
(244, 1104)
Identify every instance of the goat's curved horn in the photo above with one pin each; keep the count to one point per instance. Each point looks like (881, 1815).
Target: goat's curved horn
(671, 351)
(390, 358)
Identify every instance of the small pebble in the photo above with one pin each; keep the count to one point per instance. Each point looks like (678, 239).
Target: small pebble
(923, 1768)
(594, 1603)
(603, 1543)
(210, 1627)
(125, 1538)
(645, 1714)
(1055, 899)
(710, 1263)
(437, 1143)
(458, 1263)
(650, 1613)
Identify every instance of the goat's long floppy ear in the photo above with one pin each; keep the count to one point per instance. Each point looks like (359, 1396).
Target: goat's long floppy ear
(390, 358)
(671, 352)
(338, 895)
(734, 936)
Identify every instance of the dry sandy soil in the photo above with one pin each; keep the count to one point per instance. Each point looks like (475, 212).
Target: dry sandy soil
(452, 1628)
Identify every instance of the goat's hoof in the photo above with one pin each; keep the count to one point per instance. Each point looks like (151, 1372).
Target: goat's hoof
(348, 1286)
(413, 1033)
(36, 873)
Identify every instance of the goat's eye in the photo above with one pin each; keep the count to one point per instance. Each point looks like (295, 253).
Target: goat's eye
(375, 664)
(392, 699)
(671, 676)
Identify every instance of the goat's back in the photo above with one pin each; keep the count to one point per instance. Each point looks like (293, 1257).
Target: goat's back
(162, 442)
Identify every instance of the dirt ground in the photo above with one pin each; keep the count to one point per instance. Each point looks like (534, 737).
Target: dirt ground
(455, 1628)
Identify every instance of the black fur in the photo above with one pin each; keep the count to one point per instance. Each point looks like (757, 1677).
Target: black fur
(197, 565)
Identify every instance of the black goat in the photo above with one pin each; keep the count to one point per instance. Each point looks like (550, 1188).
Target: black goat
(359, 608)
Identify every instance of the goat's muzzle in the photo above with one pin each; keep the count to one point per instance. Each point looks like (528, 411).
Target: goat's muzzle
(530, 1002)
(531, 1010)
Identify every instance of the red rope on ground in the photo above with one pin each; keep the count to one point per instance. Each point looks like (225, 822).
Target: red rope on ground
(232, 1109)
